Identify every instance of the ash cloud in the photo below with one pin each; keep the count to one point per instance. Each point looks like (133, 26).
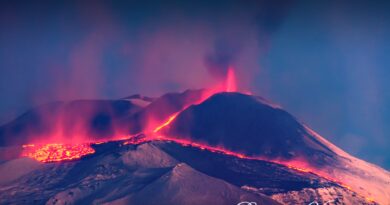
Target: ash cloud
(92, 50)
(265, 18)
(220, 59)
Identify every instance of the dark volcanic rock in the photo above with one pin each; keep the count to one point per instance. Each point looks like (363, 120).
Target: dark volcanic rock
(246, 124)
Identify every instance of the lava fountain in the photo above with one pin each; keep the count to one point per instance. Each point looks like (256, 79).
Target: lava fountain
(231, 85)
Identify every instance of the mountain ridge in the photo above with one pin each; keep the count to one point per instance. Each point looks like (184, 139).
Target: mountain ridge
(249, 126)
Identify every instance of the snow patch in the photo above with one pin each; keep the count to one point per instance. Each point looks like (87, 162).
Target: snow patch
(148, 156)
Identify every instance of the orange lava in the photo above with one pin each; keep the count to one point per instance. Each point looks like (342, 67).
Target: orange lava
(370, 199)
(56, 152)
(166, 123)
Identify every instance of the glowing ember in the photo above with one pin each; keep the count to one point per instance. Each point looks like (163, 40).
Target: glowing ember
(231, 81)
(56, 152)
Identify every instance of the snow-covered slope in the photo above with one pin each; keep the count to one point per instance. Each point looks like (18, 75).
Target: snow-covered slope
(368, 179)
(119, 174)
(165, 173)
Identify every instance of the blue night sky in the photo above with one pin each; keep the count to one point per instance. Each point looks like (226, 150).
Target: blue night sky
(326, 62)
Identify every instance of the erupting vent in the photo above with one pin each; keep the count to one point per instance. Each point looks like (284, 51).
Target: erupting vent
(56, 152)
(231, 85)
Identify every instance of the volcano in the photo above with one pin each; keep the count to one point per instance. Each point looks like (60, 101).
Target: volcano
(195, 147)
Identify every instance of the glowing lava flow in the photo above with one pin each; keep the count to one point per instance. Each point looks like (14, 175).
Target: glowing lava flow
(166, 123)
(56, 152)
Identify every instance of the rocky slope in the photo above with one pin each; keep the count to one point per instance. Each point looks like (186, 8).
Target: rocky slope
(167, 173)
